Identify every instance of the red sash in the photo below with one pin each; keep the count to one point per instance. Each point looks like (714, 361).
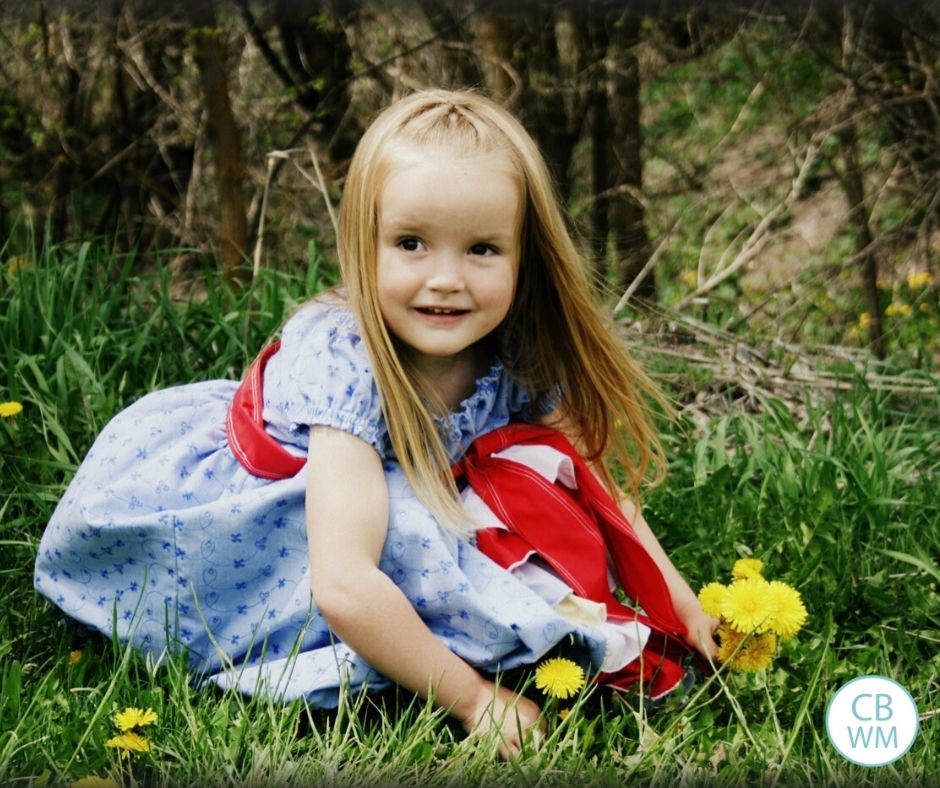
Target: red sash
(573, 531)
(258, 452)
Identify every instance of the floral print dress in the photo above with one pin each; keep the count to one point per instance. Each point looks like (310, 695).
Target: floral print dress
(165, 540)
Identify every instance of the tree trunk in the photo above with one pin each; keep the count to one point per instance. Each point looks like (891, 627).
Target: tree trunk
(600, 140)
(627, 217)
(496, 42)
(70, 124)
(853, 184)
(224, 138)
(555, 99)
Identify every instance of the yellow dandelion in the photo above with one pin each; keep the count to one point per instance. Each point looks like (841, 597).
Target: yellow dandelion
(690, 278)
(756, 653)
(712, 597)
(789, 613)
(128, 743)
(747, 567)
(16, 264)
(728, 640)
(94, 782)
(74, 656)
(901, 309)
(563, 714)
(559, 677)
(919, 280)
(8, 409)
(924, 307)
(746, 605)
(134, 718)
(864, 320)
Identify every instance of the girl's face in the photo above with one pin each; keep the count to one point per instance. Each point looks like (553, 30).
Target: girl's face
(448, 249)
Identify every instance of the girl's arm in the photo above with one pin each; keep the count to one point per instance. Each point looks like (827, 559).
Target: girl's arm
(347, 522)
(701, 627)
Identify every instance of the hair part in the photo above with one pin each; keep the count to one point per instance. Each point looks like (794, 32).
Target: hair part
(555, 337)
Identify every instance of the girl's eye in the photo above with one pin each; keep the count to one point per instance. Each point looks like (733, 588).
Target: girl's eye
(410, 244)
(482, 249)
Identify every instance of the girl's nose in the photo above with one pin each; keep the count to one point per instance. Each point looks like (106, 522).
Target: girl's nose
(446, 275)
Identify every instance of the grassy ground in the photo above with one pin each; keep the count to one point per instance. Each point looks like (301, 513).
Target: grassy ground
(843, 503)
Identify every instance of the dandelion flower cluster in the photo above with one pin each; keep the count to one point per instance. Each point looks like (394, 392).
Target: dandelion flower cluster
(755, 614)
(559, 677)
(919, 279)
(129, 722)
(898, 308)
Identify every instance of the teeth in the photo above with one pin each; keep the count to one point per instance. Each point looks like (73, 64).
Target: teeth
(436, 311)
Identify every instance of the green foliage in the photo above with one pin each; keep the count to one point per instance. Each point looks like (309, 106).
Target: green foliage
(724, 134)
(842, 502)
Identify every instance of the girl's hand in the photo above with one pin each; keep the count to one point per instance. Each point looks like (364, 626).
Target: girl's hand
(700, 628)
(514, 718)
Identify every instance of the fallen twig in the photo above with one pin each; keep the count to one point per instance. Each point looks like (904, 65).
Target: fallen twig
(784, 370)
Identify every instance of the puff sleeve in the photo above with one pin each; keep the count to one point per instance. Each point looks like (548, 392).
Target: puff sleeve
(321, 375)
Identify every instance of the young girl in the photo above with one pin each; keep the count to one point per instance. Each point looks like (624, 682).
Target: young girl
(406, 452)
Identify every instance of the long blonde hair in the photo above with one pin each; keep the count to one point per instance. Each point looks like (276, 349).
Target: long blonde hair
(555, 340)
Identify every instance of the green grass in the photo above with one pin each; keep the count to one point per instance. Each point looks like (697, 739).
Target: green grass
(843, 503)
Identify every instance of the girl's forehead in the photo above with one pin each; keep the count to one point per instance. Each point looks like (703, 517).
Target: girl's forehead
(434, 188)
(406, 153)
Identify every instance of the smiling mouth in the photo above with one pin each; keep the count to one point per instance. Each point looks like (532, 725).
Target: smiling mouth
(433, 310)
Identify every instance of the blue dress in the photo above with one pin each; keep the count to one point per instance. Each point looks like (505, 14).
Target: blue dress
(165, 538)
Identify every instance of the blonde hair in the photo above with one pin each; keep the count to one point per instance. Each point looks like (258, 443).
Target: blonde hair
(555, 340)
